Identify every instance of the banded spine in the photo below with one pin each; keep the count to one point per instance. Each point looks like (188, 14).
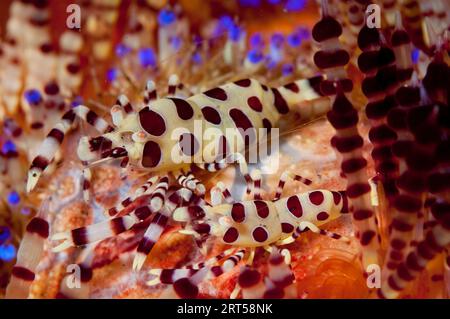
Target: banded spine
(343, 117)
(410, 182)
(29, 255)
(436, 239)
(377, 61)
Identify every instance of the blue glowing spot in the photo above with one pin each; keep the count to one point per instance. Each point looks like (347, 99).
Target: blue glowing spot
(176, 42)
(197, 58)
(25, 211)
(7, 252)
(294, 40)
(33, 96)
(415, 56)
(5, 233)
(295, 5)
(235, 33)
(8, 147)
(254, 56)
(277, 40)
(250, 3)
(287, 69)
(78, 100)
(111, 75)
(226, 22)
(271, 64)
(166, 17)
(273, 1)
(122, 50)
(304, 33)
(13, 198)
(256, 40)
(197, 39)
(147, 57)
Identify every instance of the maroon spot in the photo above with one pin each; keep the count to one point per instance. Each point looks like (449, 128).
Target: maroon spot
(280, 102)
(260, 234)
(117, 226)
(401, 226)
(261, 208)
(400, 37)
(152, 122)
(249, 278)
(86, 273)
(254, 103)
(287, 228)
(184, 109)
(188, 144)
(322, 216)
(276, 259)
(79, 236)
(151, 155)
(112, 211)
(294, 206)
(217, 271)
(357, 189)
(404, 273)
(316, 197)
(142, 212)
(57, 135)
(366, 237)
(266, 124)
(39, 162)
(46, 48)
(73, 68)
(184, 288)
(393, 284)
(23, 273)
(51, 89)
(202, 228)
(398, 244)
(86, 184)
(238, 212)
(325, 60)
(407, 204)
(145, 245)
(336, 198)
(326, 28)
(231, 235)
(69, 116)
(343, 120)
(368, 36)
(274, 293)
(243, 83)
(211, 115)
(292, 87)
(217, 93)
(166, 276)
(240, 119)
(353, 165)
(362, 214)
(38, 226)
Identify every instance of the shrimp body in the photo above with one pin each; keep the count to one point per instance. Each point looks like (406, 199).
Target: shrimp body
(257, 223)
